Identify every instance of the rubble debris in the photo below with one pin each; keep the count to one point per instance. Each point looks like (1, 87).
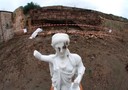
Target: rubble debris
(25, 30)
(35, 33)
(110, 30)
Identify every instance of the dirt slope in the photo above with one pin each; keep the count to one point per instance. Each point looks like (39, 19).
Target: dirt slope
(105, 59)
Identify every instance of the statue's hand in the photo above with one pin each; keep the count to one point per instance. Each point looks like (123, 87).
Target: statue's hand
(74, 86)
(76, 83)
(78, 79)
(37, 54)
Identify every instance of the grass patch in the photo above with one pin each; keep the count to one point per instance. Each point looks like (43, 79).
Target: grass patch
(114, 25)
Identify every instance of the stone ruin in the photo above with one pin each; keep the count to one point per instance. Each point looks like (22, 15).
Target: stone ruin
(63, 16)
(13, 23)
(6, 26)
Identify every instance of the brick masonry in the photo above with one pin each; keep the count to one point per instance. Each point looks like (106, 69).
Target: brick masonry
(62, 15)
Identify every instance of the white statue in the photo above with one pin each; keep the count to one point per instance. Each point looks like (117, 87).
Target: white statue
(66, 68)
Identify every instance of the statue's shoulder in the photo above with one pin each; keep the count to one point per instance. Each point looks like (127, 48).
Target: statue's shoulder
(76, 57)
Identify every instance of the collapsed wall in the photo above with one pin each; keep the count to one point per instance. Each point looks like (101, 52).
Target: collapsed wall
(62, 15)
(19, 20)
(6, 26)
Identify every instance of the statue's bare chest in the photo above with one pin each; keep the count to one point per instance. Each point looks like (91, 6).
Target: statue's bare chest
(63, 64)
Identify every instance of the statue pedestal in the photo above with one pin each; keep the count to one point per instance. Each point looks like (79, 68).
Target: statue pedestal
(80, 87)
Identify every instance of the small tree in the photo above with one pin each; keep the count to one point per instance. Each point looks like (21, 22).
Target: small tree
(30, 6)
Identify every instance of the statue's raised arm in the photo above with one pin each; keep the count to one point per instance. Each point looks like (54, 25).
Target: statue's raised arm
(64, 66)
(41, 57)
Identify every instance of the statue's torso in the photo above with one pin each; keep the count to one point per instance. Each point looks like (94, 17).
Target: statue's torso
(62, 72)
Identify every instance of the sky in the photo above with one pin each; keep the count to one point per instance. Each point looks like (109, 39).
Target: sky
(115, 7)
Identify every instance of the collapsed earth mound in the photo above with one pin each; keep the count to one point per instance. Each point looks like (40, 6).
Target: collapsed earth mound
(105, 59)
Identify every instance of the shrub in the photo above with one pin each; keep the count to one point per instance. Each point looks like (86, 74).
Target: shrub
(30, 6)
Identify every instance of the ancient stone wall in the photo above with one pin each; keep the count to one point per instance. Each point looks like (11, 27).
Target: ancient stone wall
(18, 19)
(48, 15)
(6, 26)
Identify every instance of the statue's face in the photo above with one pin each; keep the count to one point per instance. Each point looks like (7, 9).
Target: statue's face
(61, 48)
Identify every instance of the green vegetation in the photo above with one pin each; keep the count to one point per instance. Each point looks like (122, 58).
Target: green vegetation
(30, 6)
(115, 25)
